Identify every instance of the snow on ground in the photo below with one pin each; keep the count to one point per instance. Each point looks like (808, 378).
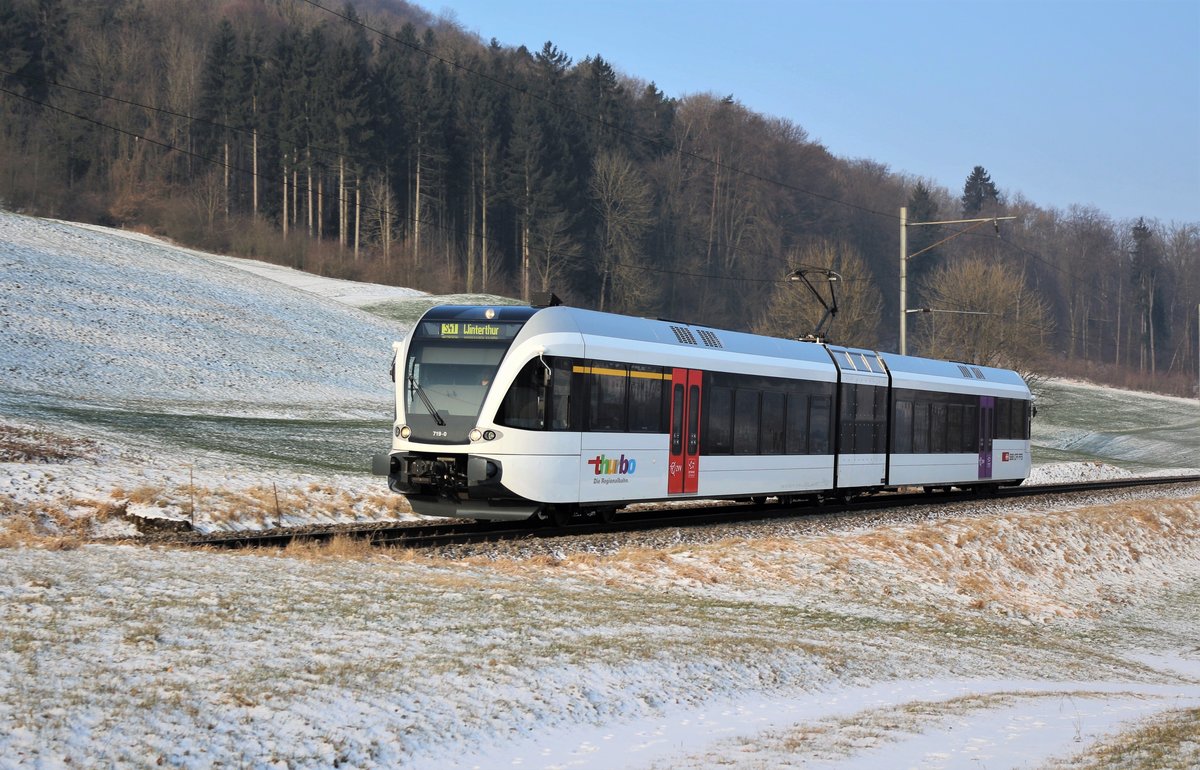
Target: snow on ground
(136, 376)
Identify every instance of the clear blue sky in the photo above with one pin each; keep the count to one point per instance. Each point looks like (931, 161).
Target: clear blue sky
(1092, 102)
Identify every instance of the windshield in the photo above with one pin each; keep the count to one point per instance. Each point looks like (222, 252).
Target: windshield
(452, 357)
(451, 378)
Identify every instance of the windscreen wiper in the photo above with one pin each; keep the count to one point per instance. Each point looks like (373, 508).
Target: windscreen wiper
(425, 400)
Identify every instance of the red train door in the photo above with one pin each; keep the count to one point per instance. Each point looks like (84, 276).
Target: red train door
(684, 468)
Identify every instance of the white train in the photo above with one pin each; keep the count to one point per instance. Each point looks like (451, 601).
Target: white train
(506, 413)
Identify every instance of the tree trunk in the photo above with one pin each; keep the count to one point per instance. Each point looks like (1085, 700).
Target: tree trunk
(483, 241)
(284, 219)
(416, 253)
(254, 170)
(227, 179)
(471, 233)
(357, 216)
(343, 218)
(309, 193)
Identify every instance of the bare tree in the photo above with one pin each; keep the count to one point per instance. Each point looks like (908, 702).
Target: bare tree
(381, 224)
(552, 247)
(622, 197)
(792, 311)
(984, 313)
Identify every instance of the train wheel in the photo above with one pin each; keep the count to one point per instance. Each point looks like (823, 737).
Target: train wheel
(563, 515)
(607, 515)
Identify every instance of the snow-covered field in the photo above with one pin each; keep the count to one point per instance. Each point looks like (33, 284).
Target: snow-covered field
(138, 377)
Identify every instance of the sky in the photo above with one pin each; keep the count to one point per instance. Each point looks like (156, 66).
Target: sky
(1064, 102)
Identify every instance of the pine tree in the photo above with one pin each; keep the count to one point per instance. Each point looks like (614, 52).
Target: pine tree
(978, 192)
(220, 101)
(1146, 264)
(923, 208)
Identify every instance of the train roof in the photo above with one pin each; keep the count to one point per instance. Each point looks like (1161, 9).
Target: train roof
(725, 349)
(597, 325)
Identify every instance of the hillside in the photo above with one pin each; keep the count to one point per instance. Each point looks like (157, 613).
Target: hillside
(378, 142)
(140, 376)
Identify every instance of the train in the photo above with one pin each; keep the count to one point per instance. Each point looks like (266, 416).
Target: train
(562, 414)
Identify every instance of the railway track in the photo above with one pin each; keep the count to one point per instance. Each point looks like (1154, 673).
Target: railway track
(429, 536)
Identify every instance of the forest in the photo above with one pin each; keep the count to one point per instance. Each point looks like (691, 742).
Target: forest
(374, 141)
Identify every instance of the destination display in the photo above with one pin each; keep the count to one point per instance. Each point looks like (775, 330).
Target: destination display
(469, 330)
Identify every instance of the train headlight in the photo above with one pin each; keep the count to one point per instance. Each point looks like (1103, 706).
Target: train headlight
(403, 431)
(489, 435)
(475, 435)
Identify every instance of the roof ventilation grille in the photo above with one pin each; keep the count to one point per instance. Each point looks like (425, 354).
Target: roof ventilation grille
(684, 335)
(710, 339)
(978, 373)
(966, 372)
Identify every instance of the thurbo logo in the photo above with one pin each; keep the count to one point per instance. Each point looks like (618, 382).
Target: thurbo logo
(610, 466)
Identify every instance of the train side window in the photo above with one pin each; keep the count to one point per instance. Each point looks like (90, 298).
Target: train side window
(797, 424)
(560, 394)
(1003, 418)
(608, 391)
(865, 426)
(970, 434)
(745, 422)
(937, 429)
(818, 425)
(524, 404)
(879, 421)
(645, 399)
(773, 423)
(849, 407)
(718, 436)
(903, 438)
(954, 428)
(921, 427)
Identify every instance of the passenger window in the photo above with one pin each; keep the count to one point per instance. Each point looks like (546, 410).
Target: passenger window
(1002, 418)
(645, 399)
(560, 388)
(921, 428)
(937, 429)
(608, 387)
(954, 428)
(818, 425)
(797, 424)
(849, 407)
(772, 423)
(745, 422)
(903, 439)
(717, 433)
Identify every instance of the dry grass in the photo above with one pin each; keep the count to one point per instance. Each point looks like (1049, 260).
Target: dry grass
(39, 528)
(836, 739)
(340, 547)
(1168, 741)
(30, 445)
